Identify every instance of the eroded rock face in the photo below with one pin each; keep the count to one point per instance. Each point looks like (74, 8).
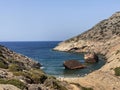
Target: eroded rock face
(90, 58)
(73, 64)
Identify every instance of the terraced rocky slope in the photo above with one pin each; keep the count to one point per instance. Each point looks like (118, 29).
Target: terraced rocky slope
(103, 38)
(18, 72)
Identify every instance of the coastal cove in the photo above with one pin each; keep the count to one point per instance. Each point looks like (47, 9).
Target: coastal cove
(59, 45)
(52, 61)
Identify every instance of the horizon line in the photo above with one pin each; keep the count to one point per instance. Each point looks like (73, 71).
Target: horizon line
(35, 41)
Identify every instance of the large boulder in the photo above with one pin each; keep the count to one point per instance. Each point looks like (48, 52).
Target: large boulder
(91, 58)
(73, 64)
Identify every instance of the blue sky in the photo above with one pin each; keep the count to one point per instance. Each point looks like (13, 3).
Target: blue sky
(51, 20)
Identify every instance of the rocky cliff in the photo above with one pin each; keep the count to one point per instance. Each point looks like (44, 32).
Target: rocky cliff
(103, 38)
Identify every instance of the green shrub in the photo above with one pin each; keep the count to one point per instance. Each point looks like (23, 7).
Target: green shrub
(39, 78)
(14, 67)
(57, 86)
(54, 84)
(10, 60)
(117, 71)
(51, 77)
(19, 73)
(3, 65)
(36, 75)
(14, 82)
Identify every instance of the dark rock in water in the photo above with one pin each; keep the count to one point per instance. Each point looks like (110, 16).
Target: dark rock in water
(91, 58)
(73, 64)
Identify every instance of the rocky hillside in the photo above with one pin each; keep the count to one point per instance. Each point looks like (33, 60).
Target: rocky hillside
(8, 57)
(99, 38)
(103, 38)
(18, 72)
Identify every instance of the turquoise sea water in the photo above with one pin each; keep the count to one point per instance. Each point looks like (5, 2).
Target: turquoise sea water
(52, 61)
